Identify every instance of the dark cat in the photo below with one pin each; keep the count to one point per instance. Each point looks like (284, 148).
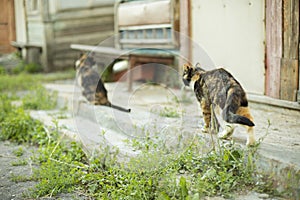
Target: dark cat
(92, 86)
(218, 90)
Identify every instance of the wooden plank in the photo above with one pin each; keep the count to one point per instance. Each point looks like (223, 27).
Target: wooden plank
(83, 30)
(273, 77)
(96, 49)
(289, 79)
(290, 63)
(95, 37)
(273, 47)
(290, 28)
(82, 13)
(82, 23)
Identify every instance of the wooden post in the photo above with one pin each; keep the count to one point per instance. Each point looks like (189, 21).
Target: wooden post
(185, 33)
(47, 56)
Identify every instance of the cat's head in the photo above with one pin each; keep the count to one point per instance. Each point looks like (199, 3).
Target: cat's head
(187, 73)
(86, 60)
(191, 73)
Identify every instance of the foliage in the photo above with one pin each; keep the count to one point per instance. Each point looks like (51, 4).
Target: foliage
(33, 68)
(40, 98)
(19, 127)
(2, 70)
(23, 81)
(170, 112)
(18, 152)
(21, 162)
(5, 106)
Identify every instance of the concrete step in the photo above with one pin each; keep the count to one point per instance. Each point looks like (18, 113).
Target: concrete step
(278, 153)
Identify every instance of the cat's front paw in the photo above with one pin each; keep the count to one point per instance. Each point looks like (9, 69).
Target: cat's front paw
(250, 142)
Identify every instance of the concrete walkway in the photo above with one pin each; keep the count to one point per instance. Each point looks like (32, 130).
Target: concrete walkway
(98, 126)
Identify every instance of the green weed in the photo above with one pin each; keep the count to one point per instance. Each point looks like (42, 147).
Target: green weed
(39, 98)
(167, 112)
(19, 127)
(20, 178)
(21, 162)
(18, 152)
(5, 106)
(23, 81)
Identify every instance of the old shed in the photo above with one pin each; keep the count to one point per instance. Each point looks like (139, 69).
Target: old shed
(52, 25)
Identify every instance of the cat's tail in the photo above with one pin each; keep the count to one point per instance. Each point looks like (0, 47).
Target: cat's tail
(119, 108)
(230, 117)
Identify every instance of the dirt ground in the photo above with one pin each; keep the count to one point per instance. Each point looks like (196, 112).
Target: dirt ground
(10, 155)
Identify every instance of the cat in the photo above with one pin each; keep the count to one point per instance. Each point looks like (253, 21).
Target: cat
(91, 84)
(218, 90)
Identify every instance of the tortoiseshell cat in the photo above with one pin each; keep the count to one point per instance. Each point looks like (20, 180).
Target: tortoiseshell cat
(92, 86)
(218, 89)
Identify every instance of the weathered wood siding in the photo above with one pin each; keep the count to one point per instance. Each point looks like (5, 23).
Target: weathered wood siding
(290, 63)
(282, 39)
(55, 24)
(88, 26)
(273, 47)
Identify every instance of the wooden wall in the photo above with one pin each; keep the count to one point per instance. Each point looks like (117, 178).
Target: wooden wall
(282, 45)
(88, 26)
(56, 24)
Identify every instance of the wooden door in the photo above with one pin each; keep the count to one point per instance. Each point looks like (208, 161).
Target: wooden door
(7, 26)
(282, 44)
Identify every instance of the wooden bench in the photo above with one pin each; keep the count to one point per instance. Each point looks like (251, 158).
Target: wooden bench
(135, 57)
(142, 36)
(33, 51)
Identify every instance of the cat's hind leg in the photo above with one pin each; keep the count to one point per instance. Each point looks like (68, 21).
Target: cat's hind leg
(227, 131)
(206, 111)
(250, 137)
(245, 112)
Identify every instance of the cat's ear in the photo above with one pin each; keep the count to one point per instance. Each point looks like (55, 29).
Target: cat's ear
(187, 67)
(198, 65)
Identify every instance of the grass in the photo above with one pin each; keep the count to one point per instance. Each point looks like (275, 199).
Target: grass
(21, 162)
(156, 173)
(18, 152)
(25, 81)
(168, 111)
(39, 98)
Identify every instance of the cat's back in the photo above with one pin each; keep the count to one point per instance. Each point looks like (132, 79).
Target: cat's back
(220, 76)
(88, 76)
